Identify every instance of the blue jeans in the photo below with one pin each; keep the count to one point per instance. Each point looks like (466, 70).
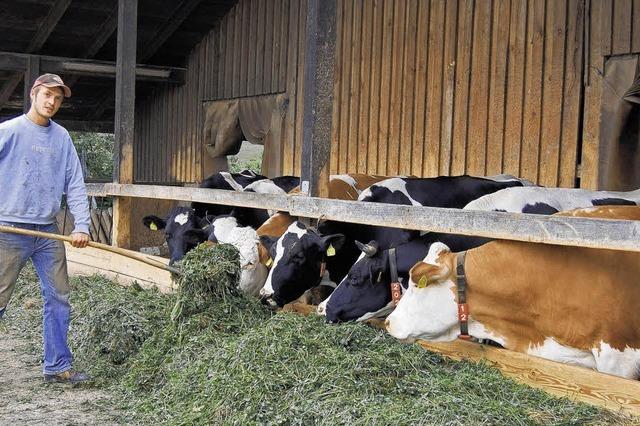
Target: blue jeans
(49, 260)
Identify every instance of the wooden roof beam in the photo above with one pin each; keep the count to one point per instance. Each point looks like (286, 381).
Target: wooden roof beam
(48, 25)
(182, 12)
(18, 62)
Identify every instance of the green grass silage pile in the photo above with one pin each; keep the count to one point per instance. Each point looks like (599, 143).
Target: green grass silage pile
(224, 359)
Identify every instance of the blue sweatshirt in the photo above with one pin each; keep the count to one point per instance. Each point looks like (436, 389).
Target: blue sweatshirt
(37, 165)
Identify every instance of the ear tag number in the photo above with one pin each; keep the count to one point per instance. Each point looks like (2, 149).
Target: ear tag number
(269, 262)
(331, 251)
(153, 226)
(423, 282)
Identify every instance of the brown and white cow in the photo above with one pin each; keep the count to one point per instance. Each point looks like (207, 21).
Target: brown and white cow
(568, 304)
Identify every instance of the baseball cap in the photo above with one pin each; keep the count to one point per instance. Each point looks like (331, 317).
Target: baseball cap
(52, 80)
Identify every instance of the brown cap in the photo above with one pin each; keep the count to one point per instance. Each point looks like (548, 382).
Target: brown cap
(52, 80)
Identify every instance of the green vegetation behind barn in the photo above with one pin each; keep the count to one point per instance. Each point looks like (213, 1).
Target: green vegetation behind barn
(207, 355)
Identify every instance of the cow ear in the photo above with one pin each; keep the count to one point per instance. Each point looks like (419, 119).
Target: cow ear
(268, 241)
(207, 220)
(423, 274)
(195, 236)
(154, 222)
(330, 243)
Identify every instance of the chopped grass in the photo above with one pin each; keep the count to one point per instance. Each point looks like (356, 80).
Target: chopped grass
(227, 360)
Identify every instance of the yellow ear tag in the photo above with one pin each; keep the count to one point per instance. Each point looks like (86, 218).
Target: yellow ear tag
(153, 226)
(423, 282)
(331, 251)
(269, 262)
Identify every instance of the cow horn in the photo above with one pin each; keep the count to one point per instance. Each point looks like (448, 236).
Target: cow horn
(368, 249)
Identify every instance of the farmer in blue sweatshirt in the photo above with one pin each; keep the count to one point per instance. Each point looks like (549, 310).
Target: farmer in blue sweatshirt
(38, 163)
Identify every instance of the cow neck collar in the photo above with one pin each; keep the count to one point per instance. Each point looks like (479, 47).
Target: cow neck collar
(463, 308)
(396, 289)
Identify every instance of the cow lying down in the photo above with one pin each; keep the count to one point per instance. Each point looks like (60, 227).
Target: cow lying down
(568, 304)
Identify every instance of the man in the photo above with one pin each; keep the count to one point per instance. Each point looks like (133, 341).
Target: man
(38, 163)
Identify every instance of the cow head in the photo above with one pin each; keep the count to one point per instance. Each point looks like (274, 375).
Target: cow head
(253, 273)
(182, 230)
(297, 257)
(365, 289)
(428, 309)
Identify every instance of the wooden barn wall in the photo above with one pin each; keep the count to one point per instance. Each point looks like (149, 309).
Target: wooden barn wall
(614, 30)
(437, 87)
(254, 51)
(422, 87)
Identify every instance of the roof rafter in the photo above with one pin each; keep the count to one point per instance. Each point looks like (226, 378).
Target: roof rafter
(182, 12)
(46, 28)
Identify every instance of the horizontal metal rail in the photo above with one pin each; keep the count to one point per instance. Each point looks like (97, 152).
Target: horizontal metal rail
(560, 230)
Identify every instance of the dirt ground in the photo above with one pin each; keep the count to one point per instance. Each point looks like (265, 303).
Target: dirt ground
(25, 399)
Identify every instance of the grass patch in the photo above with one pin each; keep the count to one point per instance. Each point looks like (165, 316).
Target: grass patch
(226, 360)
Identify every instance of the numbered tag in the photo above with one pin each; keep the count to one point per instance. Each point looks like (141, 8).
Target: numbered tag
(423, 282)
(396, 293)
(463, 312)
(153, 226)
(269, 263)
(331, 251)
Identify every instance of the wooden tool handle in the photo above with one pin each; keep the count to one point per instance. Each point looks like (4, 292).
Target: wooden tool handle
(128, 253)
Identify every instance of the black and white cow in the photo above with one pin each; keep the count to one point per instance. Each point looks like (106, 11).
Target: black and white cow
(181, 220)
(299, 250)
(227, 181)
(365, 292)
(256, 217)
(547, 201)
(178, 229)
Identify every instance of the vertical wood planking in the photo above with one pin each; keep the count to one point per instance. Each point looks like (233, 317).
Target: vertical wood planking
(385, 87)
(408, 89)
(237, 50)
(534, 91)
(515, 87)
(463, 77)
(498, 86)
(220, 57)
(228, 53)
(259, 47)
(275, 51)
(337, 87)
(635, 27)
(434, 89)
(419, 100)
(621, 27)
(244, 47)
(354, 93)
(553, 81)
(253, 35)
(292, 75)
(365, 84)
(267, 68)
(599, 42)
(479, 89)
(284, 43)
(375, 77)
(606, 22)
(448, 86)
(397, 99)
(345, 83)
(299, 92)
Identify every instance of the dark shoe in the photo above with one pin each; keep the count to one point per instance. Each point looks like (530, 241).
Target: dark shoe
(69, 376)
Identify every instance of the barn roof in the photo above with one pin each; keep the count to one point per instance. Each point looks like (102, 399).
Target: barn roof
(83, 33)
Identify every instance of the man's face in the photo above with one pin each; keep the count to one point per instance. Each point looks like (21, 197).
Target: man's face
(46, 100)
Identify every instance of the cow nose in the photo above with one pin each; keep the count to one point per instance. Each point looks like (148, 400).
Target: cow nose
(269, 302)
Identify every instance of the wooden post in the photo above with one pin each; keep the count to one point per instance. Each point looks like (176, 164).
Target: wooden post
(320, 46)
(31, 73)
(124, 117)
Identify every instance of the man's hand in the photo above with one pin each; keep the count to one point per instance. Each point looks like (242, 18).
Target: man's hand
(79, 239)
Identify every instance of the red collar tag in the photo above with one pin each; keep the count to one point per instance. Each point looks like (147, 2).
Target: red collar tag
(323, 267)
(463, 312)
(396, 293)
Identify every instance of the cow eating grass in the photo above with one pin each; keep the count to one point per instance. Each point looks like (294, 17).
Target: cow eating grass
(568, 304)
